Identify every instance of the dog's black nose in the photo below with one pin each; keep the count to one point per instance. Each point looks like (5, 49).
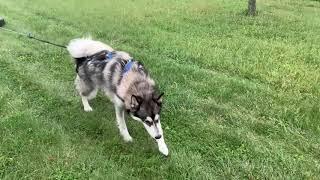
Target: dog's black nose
(158, 137)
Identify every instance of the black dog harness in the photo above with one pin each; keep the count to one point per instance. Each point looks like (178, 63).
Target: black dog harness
(102, 57)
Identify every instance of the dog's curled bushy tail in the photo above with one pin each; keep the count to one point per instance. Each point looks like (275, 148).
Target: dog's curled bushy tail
(84, 47)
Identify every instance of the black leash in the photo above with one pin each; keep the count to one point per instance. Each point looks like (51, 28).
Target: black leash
(44, 41)
(29, 35)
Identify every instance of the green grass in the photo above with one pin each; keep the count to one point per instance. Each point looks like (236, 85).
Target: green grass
(242, 93)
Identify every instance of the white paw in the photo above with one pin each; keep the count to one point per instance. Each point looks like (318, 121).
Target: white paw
(88, 109)
(127, 138)
(164, 149)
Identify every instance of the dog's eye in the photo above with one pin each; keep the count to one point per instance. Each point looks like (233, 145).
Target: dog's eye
(156, 121)
(140, 115)
(148, 123)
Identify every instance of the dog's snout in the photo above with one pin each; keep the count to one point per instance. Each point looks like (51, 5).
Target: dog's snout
(158, 136)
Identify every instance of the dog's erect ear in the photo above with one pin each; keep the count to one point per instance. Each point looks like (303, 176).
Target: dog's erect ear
(135, 101)
(158, 99)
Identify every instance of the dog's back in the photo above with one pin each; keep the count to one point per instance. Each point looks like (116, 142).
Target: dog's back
(94, 69)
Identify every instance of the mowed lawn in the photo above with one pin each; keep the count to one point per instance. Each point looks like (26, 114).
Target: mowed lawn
(242, 94)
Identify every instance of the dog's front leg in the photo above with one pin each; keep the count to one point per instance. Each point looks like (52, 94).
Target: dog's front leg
(161, 143)
(122, 124)
(162, 146)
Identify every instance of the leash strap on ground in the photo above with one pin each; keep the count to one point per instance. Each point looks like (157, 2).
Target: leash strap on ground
(29, 35)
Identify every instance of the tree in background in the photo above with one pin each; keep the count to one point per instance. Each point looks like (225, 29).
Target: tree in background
(251, 7)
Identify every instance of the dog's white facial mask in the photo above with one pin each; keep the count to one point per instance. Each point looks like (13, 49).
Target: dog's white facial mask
(154, 129)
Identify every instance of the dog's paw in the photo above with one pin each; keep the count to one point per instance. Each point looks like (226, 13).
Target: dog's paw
(164, 149)
(88, 109)
(127, 138)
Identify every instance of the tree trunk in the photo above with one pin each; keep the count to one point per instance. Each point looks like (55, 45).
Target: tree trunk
(251, 7)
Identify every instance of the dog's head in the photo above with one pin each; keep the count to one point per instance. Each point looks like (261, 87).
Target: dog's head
(147, 110)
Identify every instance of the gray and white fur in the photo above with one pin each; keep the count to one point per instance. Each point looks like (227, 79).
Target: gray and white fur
(133, 91)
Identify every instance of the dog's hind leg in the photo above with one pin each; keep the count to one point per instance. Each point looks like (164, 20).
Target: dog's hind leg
(86, 92)
(122, 124)
(86, 96)
(86, 105)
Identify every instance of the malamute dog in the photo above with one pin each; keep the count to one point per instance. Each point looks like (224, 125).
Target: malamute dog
(124, 80)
